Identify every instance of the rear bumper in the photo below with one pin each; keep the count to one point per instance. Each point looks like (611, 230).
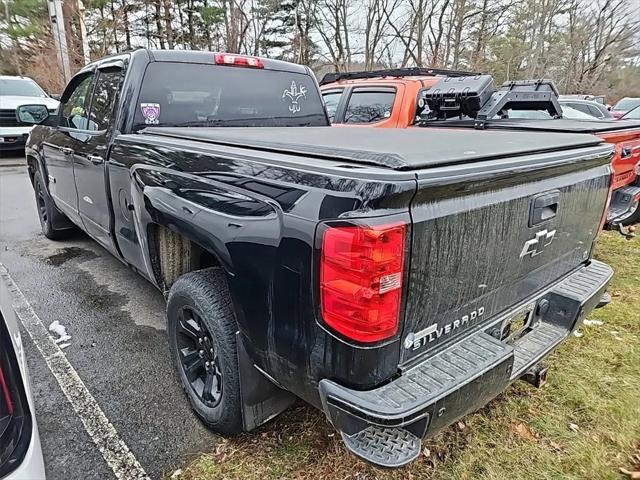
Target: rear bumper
(385, 425)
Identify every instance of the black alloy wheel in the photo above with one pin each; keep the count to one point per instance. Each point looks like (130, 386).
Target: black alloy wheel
(199, 357)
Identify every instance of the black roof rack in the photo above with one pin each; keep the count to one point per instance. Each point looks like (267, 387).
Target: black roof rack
(394, 72)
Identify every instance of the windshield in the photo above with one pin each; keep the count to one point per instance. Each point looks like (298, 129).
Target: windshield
(189, 94)
(627, 104)
(20, 87)
(633, 114)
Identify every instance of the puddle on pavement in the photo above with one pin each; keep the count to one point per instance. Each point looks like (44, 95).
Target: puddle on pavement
(139, 299)
(65, 254)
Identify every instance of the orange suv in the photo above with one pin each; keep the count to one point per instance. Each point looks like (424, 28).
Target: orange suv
(379, 98)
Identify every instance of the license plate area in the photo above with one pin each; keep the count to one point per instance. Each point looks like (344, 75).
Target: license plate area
(517, 324)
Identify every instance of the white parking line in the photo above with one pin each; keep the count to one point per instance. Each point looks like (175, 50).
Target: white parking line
(124, 464)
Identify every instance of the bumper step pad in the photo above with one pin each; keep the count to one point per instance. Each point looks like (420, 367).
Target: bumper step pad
(535, 345)
(390, 447)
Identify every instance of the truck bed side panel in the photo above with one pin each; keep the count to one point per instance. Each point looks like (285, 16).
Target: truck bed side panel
(258, 215)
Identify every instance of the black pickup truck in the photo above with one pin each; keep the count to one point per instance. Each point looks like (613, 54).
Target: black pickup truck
(394, 279)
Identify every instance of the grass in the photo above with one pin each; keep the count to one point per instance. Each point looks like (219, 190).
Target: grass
(584, 424)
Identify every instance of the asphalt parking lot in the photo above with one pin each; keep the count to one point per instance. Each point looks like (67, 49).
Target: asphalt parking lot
(118, 346)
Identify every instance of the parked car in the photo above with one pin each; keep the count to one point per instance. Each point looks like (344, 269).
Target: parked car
(20, 451)
(15, 92)
(624, 105)
(394, 279)
(591, 108)
(390, 99)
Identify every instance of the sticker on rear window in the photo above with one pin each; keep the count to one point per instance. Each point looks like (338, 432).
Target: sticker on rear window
(294, 94)
(151, 113)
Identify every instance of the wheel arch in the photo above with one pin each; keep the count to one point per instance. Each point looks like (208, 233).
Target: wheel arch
(34, 164)
(173, 253)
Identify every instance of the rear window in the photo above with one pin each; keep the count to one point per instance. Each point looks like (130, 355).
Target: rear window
(369, 106)
(182, 94)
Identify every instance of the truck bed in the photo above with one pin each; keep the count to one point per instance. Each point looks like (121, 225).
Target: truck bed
(399, 149)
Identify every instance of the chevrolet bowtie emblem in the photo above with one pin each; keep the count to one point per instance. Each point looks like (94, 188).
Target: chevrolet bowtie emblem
(536, 245)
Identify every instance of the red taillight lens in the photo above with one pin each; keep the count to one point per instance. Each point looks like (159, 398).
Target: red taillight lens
(361, 277)
(238, 60)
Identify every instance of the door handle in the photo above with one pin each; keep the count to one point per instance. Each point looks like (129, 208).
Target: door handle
(96, 159)
(629, 151)
(66, 150)
(544, 207)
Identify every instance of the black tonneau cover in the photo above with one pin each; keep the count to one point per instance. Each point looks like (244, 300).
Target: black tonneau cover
(562, 125)
(399, 149)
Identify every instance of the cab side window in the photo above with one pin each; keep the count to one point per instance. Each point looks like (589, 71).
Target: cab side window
(369, 106)
(595, 112)
(74, 114)
(581, 107)
(331, 100)
(104, 96)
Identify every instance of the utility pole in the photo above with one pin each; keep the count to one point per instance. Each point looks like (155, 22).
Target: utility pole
(59, 36)
(83, 33)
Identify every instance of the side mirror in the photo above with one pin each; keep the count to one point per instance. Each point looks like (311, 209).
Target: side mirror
(32, 114)
(56, 96)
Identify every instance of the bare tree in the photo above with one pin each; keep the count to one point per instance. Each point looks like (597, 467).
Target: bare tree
(377, 29)
(333, 20)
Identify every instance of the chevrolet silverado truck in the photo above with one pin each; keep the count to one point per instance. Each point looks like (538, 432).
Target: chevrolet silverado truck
(396, 280)
(392, 99)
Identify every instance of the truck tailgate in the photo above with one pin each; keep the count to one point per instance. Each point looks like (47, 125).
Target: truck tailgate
(488, 236)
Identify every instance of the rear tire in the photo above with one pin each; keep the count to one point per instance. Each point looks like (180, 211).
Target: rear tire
(202, 337)
(47, 210)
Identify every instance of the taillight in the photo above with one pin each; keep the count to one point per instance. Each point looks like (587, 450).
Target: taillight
(238, 60)
(361, 278)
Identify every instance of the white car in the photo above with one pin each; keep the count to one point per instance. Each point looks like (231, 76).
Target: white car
(20, 450)
(14, 92)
